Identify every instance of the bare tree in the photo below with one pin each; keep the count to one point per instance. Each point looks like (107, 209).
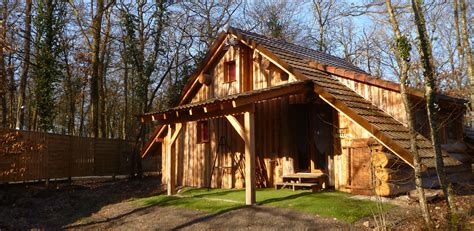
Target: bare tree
(325, 12)
(468, 51)
(402, 52)
(431, 98)
(3, 71)
(20, 110)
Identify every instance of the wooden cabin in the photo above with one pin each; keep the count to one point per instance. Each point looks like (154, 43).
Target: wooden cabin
(261, 112)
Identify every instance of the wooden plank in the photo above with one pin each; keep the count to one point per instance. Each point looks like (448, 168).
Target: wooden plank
(170, 163)
(249, 121)
(237, 126)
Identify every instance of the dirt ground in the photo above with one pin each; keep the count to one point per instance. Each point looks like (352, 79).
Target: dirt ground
(99, 204)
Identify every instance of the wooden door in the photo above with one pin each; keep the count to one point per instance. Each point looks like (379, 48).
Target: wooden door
(361, 174)
(300, 136)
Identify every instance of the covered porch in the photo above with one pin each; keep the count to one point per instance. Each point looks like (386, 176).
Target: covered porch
(271, 136)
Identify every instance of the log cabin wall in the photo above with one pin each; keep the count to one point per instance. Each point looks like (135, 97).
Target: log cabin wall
(223, 155)
(347, 132)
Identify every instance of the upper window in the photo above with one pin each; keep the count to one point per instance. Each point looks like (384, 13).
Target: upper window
(284, 76)
(202, 131)
(229, 71)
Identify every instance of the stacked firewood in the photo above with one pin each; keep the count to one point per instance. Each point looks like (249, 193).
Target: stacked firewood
(392, 175)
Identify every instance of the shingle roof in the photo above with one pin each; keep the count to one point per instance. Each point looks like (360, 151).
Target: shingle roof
(296, 56)
(282, 48)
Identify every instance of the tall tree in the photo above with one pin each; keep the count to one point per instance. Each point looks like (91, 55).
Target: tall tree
(468, 51)
(3, 71)
(95, 64)
(49, 22)
(325, 12)
(425, 51)
(277, 19)
(20, 110)
(402, 52)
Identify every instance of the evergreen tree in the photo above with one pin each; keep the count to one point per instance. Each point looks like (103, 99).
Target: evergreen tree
(49, 22)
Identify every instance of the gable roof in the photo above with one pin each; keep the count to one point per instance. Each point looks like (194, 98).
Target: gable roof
(306, 64)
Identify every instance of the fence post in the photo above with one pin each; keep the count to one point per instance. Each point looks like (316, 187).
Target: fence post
(45, 166)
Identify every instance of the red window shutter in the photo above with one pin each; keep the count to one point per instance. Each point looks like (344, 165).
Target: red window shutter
(205, 131)
(202, 131)
(232, 71)
(229, 71)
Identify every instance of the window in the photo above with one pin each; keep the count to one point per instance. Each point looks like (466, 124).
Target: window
(229, 71)
(284, 76)
(202, 131)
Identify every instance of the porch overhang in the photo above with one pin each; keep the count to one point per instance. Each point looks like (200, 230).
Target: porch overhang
(228, 105)
(243, 103)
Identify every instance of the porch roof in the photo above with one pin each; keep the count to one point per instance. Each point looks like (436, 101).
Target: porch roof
(217, 107)
(230, 104)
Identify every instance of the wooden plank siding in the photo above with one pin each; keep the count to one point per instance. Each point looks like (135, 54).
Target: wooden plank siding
(226, 148)
(64, 156)
(387, 100)
(275, 155)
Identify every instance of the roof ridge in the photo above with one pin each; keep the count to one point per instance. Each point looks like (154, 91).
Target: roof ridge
(283, 42)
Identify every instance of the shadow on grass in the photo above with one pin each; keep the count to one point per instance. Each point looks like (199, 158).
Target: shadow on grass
(224, 211)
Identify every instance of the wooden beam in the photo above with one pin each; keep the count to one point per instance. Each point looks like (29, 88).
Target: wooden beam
(211, 56)
(237, 126)
(171, 159)
(176, 132)
(249, 121)
(212, 112)
(240, 101)
(170, 164)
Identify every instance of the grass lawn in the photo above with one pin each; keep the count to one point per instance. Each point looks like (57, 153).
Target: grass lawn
(328, 204)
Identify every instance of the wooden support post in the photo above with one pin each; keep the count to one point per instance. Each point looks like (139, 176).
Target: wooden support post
(249, 124)
(171, 158)
(170, 166)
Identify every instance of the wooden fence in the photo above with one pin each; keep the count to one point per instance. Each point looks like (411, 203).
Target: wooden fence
(27, 156)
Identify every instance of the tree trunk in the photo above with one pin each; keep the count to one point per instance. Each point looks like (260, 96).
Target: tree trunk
(125, 95)
(458, 34)
(101, 81)
(96, 28)
(431, 100)
(403, 53)
(82, 113)
(467, 49)
(3, 71)
(20, 110)
(11, 87)
(71, 95)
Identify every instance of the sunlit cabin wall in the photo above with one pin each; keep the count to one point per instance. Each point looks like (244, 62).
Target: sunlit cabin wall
(347, 131)
(223, 156)
(388, 100)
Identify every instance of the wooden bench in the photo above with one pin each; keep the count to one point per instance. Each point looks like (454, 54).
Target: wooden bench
(315, 181)
(314, 186)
